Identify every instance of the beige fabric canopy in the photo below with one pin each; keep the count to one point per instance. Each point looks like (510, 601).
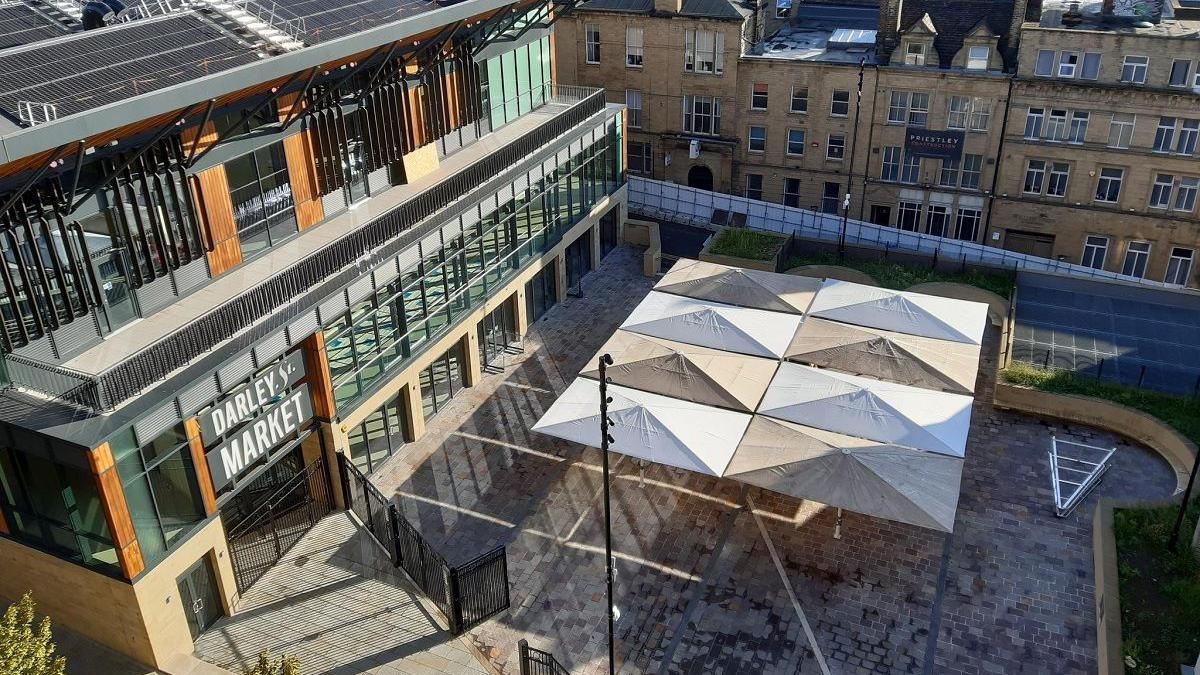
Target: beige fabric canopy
(683, 371)
(877, 479)
(741, 287)
(886, 355)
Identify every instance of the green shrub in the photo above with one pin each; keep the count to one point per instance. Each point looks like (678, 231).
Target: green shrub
(24, 649)
(899, 276)
(742, 243)
(269, 665)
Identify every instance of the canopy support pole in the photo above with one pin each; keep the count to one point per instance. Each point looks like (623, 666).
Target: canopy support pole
(837, 528)
(605, 361)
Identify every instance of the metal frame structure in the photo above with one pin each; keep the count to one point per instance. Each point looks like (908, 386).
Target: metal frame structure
(1080, 468)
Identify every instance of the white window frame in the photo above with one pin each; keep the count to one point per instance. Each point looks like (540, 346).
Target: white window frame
(1058, 178)
(833, 102)
(1068, 64)
(910, 169)
(1102, 179)
(913, 209)
(633, 106)
(791, 198)
(750, 139)
(829, 147)
(1043, 66)
(978, 57)
(1134, 72)
(591, 43)
(803, 140)
(1185, 194)
(958, 114)
(1188, 136)
(916, 53)
(1187, 73)
(648, 158)
(918, 109)
(704, 52)
(1124, 130)
(889, 168)
(1160, 191)
(1136, 259)
(1089, 66)
(1035, 177)
(794, 98)
(1095, 251)
(1035, 117)
(972, 172)
(635, 51)
(766, 98)
(1078, 126)
(758, 189)
(1056, 125)
(1179, 266)
(898, 107)
(1164, 134)
(691, 115)
(965, 217)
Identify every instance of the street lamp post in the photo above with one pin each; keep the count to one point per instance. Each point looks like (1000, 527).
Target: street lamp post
(1183, 506)
(606, 361)
(862, 69)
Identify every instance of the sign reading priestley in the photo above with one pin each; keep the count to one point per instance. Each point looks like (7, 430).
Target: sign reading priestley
(928, 143)
(274, 412)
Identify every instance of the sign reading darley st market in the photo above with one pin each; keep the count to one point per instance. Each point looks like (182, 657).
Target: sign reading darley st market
(242, 404)
(256, 439)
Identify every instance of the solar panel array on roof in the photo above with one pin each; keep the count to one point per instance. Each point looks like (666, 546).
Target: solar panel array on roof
(94, 68)
(325, 20)
(21, 25)
(1134, 335)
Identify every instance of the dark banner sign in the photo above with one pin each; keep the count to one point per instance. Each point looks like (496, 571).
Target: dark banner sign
(243, 403)
(929, 143)
(244, 447)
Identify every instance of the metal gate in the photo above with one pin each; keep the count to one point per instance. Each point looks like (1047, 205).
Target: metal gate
(261, 538)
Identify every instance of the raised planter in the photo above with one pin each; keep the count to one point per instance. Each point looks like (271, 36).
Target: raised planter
(1130, 423)
(768, 263)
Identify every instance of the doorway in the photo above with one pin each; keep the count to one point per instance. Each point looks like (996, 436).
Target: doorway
(198, 594)
(881, 215)
(498, 338)
(1032, 243)
(700, 177)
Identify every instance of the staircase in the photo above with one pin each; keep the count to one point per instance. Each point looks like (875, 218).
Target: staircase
(70, 12)
(269, 25)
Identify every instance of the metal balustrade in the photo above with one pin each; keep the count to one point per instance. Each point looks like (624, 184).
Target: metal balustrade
(280, 299)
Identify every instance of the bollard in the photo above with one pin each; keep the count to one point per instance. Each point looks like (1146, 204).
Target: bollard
(1141, 376)
(1100, 370)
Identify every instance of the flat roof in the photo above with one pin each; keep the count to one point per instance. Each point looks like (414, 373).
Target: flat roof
(827, 33)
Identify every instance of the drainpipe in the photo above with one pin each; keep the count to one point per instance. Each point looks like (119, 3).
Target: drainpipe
(862, 197)
(999, 155)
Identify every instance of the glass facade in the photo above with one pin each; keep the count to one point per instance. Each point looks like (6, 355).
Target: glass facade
(441, 381)
(541, 293)
(52, 503)
(262, 198)
(380, 435)
(449, 274)
(517, 81)
(161, 489)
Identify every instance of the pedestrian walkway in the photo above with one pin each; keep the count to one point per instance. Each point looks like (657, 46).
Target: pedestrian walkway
(337, 604)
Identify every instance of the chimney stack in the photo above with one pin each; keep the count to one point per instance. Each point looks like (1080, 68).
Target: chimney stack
(888, 37)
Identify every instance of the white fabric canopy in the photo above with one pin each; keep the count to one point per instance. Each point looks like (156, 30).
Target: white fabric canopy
(878, 479)
(708, 324)
(912, 313)
(742, 287)
(648, 426)
(929, 420)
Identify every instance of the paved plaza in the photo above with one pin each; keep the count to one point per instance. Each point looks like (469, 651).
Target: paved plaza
(336, 603)
(698, 585)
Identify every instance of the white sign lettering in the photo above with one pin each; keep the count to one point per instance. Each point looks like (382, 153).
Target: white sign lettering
(258, 438)
(243, 403)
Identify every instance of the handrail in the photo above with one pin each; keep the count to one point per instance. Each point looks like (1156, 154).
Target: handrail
(278, 300)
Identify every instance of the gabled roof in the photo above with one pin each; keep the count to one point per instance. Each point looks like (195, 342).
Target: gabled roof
(957, 19)
(925, 23)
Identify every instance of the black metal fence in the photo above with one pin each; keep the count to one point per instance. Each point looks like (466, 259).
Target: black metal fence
(538, 662)
(466, 595)
(283, 516)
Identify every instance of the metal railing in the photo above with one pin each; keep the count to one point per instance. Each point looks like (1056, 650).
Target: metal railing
(691, 206)
(466, 595)
(277, 301)
(538, 662)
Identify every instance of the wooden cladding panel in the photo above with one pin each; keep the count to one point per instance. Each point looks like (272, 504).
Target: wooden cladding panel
(196, 445)
(297, 148)
(4, 525)
(216, 220)
(320, 383)
(193, 145)
(116, 511)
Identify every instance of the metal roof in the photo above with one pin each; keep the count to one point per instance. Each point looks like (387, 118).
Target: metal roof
(85, 70)
(200, 86)
(325, 20)
(21, 25)
(716, 9)
(639, 6)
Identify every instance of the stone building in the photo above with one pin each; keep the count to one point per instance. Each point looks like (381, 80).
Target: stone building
(1039, 104)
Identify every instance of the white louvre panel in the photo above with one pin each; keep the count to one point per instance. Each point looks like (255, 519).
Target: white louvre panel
(432, 242)
(149, 427)
(970, 201)
(385, 273)
(470, 217)
(549, 165)
(941, 198)
(536, 173)
(378, 181)
(270, 348)
(487, 206)
(230, 375)
(505, 193)
(301, 328)
(154, 295)
(360, 289)
(408, 258)
(520, 184)
(191, 275)
(331, 308)
(576, 146)
(912, 195)
(334, 202)
(41, 350)
(452, 229)
(199, 395)
(73, 337)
